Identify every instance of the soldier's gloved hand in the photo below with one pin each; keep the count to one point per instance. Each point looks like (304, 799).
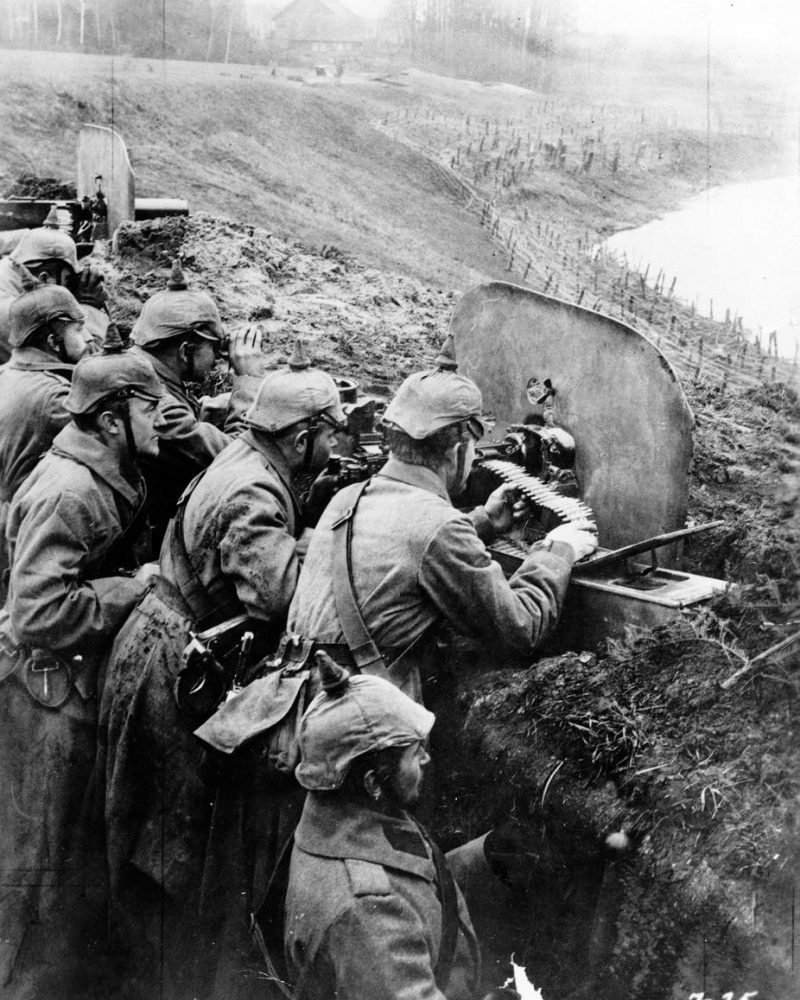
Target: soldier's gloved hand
(147, 573)
(581, 536)
(245, 355)
(89, 288)
(504, 508)
(319, 496)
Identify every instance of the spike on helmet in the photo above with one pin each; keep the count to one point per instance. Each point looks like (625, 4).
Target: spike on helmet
(28, 278)
(51, 222)
(352, 717)
(299, 359)
(177, 280)
(335, 678)
(446, 358)
(113, 341)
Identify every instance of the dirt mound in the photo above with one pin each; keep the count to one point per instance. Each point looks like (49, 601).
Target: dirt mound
(359, 322)
(42, 188)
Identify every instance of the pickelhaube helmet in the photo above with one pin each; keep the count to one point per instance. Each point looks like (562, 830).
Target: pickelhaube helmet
(430, 400)
(177, 311)
(100, 376)
(46, 243)
(351, 716)
(41, 304)
(297, 392)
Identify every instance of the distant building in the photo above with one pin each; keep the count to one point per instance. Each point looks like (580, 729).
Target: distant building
(321, 26)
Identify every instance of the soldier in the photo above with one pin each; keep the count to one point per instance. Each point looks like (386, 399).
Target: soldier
(71, 532)
(181, 332)
(52, 257)
(234, 548)
(371, 909)
(414, 560)
(48, 337)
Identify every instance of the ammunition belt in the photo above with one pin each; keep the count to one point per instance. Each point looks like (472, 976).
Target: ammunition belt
(567, 508)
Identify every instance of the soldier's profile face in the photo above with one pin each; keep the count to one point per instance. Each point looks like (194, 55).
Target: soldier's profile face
(324, 444)
(205, 356)
(406, 781)
(77, 341)
(146, 421)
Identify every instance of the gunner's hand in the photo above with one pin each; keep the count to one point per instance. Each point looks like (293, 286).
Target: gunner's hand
(245, 354)
(147, 574)
(319, 496)
(89, 288)
(504, 508)
(581, 536)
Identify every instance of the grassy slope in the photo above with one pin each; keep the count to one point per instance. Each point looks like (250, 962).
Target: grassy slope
(237, 143)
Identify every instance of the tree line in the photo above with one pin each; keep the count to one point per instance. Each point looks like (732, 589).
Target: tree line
(175, 29)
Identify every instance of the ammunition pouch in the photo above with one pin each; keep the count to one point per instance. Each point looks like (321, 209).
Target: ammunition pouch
(263, 719)
(217, 663)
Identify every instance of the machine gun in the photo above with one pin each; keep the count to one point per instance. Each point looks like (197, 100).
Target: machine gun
(597, 428)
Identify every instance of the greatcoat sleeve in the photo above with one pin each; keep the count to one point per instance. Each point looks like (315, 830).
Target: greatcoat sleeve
(470, 590)
(51, 605)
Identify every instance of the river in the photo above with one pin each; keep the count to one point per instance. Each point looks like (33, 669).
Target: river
(737, 246)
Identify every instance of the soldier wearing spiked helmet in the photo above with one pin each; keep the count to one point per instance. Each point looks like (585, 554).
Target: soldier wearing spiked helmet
(73, 533)
(234, 549)
(418, 563)
(48, 336)
(180, 331)
(52, 257)
(371, 909)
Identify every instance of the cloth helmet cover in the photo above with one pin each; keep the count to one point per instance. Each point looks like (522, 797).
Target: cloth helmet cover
(102, 375)
(175, 313)
(31, 310)
(370, 714)
(39, 245)
(287, 396)
(428, 401)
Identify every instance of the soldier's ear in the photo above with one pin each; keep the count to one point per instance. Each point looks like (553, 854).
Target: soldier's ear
(109, 422)
(372, 785)
(299, 442)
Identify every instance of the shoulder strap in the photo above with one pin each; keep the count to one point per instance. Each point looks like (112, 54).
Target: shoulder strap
(268, 920)
(450, 919)
(362, 647)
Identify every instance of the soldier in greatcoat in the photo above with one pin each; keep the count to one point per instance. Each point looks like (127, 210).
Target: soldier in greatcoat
(72, 532)
(416, 561)
(180, 331)
(371, 908)
(234, 548)
(48, 337)
(52, 257)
